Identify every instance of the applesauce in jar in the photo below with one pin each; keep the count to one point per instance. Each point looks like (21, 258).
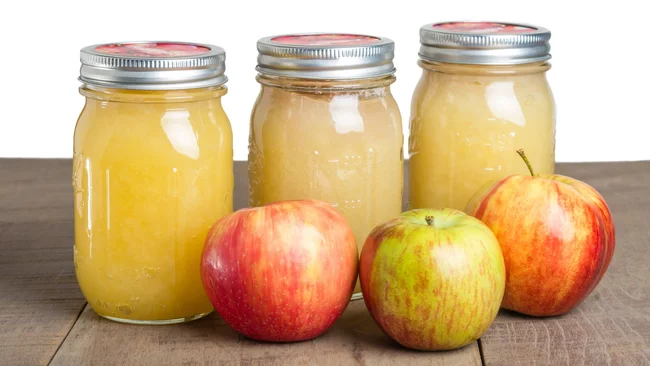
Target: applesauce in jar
(483, 94)
(326, 126)
(152, 172)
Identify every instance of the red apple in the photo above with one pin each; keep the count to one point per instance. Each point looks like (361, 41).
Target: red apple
(432, 279)
(557, 238)
(282, 272)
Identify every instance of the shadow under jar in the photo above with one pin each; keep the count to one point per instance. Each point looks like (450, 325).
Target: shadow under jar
(326, 126)
(152, 172)
(482, 96)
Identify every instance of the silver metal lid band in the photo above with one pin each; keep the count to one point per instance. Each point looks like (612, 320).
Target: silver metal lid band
(459, 47)
(326, 62)
(153, 73)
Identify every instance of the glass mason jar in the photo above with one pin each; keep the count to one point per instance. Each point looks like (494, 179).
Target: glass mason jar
(326, 126)
(152, 172)
(482, 96)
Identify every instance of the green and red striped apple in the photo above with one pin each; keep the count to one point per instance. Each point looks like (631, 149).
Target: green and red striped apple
(432, 279)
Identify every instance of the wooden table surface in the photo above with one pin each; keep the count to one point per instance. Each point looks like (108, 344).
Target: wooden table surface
(44, 318)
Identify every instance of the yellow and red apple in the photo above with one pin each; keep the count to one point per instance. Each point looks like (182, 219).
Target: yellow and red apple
(432, 279)
(557, 238)
(282, 272)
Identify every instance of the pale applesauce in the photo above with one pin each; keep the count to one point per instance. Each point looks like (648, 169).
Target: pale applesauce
(340, 142)
(467, 121)
(152, 172)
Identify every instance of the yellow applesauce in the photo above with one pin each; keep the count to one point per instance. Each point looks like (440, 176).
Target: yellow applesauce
(468, 120)
(339, 142)
(152, 173)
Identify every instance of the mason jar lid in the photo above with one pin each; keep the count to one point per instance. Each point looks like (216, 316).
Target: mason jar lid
(153, 65)
(326, 56)
(484, 43)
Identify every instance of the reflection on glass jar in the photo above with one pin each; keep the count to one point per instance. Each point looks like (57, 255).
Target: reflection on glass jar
(152, 172)
(339, 141)
(471, 111)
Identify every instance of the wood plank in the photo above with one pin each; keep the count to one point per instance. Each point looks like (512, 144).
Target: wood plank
(612, 326)
(35, 190)
(39, 296)
(354, 338)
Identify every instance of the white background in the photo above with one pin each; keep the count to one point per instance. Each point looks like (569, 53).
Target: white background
(600, 75)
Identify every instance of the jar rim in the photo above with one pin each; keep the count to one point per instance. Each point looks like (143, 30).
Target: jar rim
(478, 70)
(323, 85)
(122, 95)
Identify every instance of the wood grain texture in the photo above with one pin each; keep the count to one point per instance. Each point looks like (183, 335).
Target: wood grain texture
(353, 339)
(39, 296)
(612, 326)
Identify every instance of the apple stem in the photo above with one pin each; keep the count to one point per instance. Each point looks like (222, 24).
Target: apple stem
(429, 220)
(523, 156)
